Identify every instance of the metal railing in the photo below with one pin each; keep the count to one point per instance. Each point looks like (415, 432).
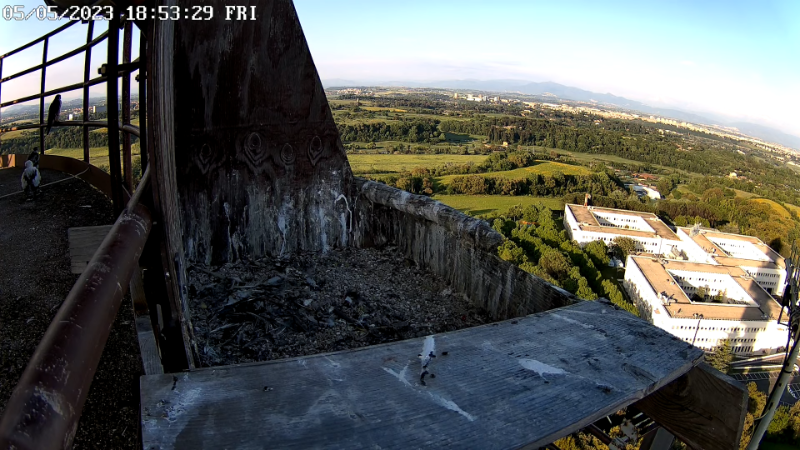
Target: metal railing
(121, 170)
(47, 402)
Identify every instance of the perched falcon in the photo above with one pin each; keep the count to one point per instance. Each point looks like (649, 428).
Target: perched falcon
(52, 115)
(34, 157)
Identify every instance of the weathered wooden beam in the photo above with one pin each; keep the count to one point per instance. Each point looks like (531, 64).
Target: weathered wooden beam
(161, 112)
(259, 164)
(522, 382)
(704, 408)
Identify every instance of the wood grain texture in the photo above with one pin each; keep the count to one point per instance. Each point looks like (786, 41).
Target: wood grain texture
(162, 140)
(136, 287)
(522, 382)
(704, 408)
(83, 243)
(259, 165)
(151, 359)
(458, 248)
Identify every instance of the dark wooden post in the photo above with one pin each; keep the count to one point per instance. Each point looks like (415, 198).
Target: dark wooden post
(87, 75)
(112, 107)
(142, 77)
(1, 101)
(161, 159)
(704, 408)
(42, 117)
(127, 163)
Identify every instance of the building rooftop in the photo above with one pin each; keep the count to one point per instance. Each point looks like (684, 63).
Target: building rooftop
(588, 222)
(682, 307)
(705, 239)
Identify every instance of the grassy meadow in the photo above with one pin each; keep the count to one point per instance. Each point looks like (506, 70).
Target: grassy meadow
(477, 205)
(385, 164)
(543, 168)
(98, 156)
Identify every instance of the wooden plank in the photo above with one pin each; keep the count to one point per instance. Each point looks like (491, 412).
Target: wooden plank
(151, 359)
(83, 243)
(137, 293)
(161, 117)
(704, 408)
(520, 382)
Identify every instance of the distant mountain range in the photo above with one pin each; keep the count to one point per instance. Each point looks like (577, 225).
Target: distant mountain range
(560, 91)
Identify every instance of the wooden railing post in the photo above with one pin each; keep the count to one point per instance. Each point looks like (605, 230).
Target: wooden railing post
(87, 67)
(127, 163)
(112, 107)
(1, 101)
(143, 100)
(42, 117)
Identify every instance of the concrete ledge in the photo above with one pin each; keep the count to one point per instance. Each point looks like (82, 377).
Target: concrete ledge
(460, 249)
(421, 207)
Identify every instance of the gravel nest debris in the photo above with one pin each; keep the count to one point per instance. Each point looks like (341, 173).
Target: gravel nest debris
(270, 309)
(36, 278)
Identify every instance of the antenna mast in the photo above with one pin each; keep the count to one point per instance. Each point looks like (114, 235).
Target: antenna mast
(790, 301)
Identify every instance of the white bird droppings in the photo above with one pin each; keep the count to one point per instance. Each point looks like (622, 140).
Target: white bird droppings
(540, 367)
(449, 404)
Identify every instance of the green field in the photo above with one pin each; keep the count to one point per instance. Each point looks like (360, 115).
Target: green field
(15, 134)
(542, 168)
(780, 210)
(794, 208)
(476, 205)
(383, 164)
(587, 158)
(98, 156)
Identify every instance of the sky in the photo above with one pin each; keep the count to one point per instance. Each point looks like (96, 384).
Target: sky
(740, 59)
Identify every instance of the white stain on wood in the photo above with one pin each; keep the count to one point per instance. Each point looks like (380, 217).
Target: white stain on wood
(399, 375)
(574, 322)
(449, 404)
(540, 367)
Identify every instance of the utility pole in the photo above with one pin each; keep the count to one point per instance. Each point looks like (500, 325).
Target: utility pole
(699, 318)
(790, 301)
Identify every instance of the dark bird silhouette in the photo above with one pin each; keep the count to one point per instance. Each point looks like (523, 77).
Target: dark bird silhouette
(34, 157)
(52, 115)
(30, 179)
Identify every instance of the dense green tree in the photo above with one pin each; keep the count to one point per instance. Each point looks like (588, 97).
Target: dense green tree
(623, 246)
(598, 251)
(721, 357)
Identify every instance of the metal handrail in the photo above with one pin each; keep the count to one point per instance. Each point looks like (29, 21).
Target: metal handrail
(40, 39)
(57, 59)
(124, 70)
(70, 87)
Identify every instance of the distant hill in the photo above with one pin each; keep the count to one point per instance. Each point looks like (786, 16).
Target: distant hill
(560, 91)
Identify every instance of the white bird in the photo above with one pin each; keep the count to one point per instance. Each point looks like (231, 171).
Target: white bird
(53, 113)
(30, 179)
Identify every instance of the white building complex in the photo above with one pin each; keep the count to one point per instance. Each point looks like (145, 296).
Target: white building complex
(733, 306)
(735, 275)
(585, 224)
(747, 252)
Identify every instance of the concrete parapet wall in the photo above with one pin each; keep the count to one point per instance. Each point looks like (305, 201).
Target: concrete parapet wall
(459, 248)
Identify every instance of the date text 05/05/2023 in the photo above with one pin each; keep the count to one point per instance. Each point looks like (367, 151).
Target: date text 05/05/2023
(83, 13)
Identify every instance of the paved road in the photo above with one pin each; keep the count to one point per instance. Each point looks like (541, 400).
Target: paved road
(766, 380)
